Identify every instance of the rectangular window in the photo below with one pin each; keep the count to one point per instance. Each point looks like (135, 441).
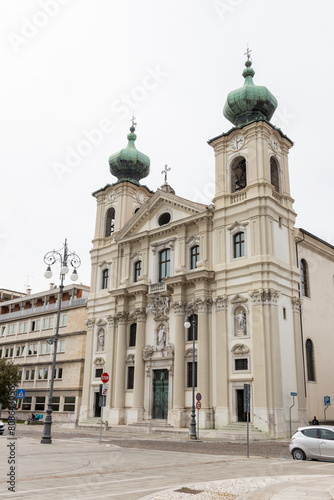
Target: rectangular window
(7, 352)
(98, 372)
(105, 277)
(133, 333)
(51, 322)
(32, 374)
(30, 350)
(40, 403)
(40, 374)
(45, 323)
(137, 271)
(241, 364)
(131, 375)
(35, 348)
(0, 353)
(18, 350)
(194, 256)
(69, 403)
(43, 348)
(23, 350)
(190, 374)
(45, 373)
(55, 403)
(3, 328)
(11, 352)
(63, 320)
(25, 327)
(164, 264)
(33, 325)
(48, 348)
(20, 374)
(27, 374)
(60, 373)
(61, 346)
(21, 328)
(239, 245)
(26, 403)
(12, 329)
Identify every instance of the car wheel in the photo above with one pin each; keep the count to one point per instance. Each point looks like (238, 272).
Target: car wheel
(298, 454)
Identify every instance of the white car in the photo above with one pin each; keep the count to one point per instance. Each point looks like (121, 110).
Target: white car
(2, 427)
(315, 442)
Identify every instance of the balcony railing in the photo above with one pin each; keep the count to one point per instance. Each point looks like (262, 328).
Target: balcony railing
(43, 309)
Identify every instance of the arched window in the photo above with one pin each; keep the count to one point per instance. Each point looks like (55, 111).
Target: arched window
(110, 222)
(239, 174)
(137, 270)
(105, 278)
(164, 264)
(193, 320)
(304, 278)
(133, 332)
(194, 256)
(239, 245)
(274, 178)
(310, 361)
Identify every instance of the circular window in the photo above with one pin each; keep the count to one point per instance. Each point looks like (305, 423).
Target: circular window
(164, 219)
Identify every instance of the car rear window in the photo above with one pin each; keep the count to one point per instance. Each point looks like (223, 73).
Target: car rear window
(311, 433)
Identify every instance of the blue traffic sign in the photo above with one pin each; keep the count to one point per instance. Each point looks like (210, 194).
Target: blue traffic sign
(293, 394)
(20, 393)
(327, 400)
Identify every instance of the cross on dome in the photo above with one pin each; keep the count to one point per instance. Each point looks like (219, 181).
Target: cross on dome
(133, 120)
(248, 52)
(164, 171)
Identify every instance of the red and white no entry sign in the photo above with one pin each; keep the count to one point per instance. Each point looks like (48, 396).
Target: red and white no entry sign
(198, 405)
(104, 377)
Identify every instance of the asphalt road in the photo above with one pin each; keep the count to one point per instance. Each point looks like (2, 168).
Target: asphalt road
(76, 466)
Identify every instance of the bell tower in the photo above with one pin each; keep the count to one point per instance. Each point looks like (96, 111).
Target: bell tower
(255, 257)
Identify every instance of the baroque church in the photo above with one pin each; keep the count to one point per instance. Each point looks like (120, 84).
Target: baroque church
(249, 282)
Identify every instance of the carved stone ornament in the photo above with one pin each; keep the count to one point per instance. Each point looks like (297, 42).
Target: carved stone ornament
(90, 324)
(111, 321)
(159, 307)
(130, 359)
(122, 317)
(99, 362)
(221, 303)
(296, 304)
(238, 299)
(189, 353)
(179, 307)
(264, 296)
(147, 352)
(158, 352)
(240, 349)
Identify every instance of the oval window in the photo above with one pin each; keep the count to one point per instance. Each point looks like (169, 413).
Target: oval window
(164, 219)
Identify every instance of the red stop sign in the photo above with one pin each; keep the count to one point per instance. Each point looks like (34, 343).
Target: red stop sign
(104, 377)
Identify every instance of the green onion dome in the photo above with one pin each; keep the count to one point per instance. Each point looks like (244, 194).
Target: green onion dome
(129, 164)
(250, 102)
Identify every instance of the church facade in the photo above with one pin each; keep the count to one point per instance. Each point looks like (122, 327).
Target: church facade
(231, 268)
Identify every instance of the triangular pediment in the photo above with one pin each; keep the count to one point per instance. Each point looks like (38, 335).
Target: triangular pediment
(147, 218)
(238, 299)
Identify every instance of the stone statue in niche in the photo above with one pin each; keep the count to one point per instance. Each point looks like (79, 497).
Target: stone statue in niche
(240, 322)
(100, 341)
(161, 336)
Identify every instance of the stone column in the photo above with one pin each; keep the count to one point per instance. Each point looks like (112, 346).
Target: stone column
(117, 414)
(222, 363)
(139, 378)
(177, 414)
(203, 363)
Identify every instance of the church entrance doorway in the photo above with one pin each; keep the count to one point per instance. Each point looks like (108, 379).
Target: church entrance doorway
(97, 412)
(160, 394)
(241, 414)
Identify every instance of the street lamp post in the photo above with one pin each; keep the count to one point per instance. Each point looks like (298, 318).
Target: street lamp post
(192, 432)
(63, 260)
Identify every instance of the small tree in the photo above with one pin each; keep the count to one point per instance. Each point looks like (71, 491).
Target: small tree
(9, 377)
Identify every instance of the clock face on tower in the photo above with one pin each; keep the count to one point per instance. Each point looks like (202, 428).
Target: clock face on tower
(274, 143)
(237, 142)
(111, 196)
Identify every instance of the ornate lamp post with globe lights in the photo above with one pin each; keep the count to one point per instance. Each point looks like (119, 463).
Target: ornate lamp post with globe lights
(192, 432)
(63, 260)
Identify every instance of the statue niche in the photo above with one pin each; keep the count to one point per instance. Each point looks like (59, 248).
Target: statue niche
(240, 322)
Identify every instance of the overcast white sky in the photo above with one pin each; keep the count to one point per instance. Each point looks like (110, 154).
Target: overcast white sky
(73, 66)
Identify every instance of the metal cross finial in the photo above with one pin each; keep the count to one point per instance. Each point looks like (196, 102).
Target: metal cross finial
(164, 171)
(133, 120)
(248, 52)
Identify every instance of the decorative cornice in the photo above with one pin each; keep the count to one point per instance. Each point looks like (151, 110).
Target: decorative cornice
(122, 317)
(179, 307)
